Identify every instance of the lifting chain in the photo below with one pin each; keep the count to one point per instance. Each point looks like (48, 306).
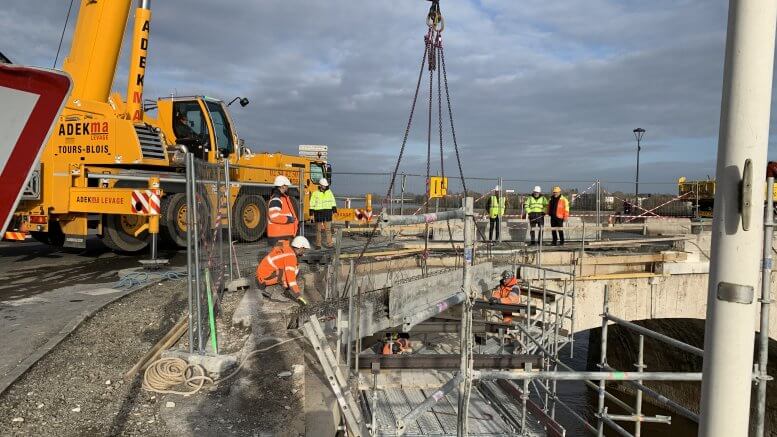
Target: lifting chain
(433, 57)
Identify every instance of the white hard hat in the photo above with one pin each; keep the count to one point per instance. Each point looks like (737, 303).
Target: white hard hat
(496, 188)
(281, 181)
(323, 182)
(300, 242)
(537, 189)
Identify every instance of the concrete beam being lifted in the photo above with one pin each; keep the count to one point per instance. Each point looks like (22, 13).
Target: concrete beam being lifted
(412, 302)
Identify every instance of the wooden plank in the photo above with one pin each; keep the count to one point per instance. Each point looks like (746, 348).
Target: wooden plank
(165, 342)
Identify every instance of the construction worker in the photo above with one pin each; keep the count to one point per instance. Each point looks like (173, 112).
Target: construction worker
(283, 224)
(506, 293)
(496, 209)
(395, 344)
(280, 267)
(322, 207)
(558, 210)
(535, 207)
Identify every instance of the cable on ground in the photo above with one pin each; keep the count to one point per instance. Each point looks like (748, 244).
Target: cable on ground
(136, 279)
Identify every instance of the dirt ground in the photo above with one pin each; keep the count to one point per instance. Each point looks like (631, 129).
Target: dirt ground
(77, 389)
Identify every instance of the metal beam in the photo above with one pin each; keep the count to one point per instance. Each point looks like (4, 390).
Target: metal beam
(446, 361)
(655, 335)
(390, 220)
(503, 307)
(580, 376)
(441, 325)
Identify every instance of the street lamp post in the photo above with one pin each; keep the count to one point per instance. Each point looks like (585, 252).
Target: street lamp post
(638, 134)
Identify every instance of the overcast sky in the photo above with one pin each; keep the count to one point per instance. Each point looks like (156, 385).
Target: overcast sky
(542, 89)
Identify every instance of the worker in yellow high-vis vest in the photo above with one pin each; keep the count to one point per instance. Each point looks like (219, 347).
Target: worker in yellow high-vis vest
(322, 208)
(496, 209)
(535, 207)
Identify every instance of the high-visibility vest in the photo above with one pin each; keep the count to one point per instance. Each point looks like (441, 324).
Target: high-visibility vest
(535, 204)
(279, 267)
(496, 208)
(322, 200)
(283, 218)
(507, 294)
(562, 208)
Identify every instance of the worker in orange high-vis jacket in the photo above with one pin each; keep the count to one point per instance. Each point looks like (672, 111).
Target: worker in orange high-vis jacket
(280, 267)
(558, 210)
(283, 224)
(506, 293)
(396, 344)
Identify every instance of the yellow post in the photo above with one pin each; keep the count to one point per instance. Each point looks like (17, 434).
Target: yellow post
(95, 48)
(137, 69)
(368, 202)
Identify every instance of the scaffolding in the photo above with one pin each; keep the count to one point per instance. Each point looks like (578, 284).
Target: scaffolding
(470, 365)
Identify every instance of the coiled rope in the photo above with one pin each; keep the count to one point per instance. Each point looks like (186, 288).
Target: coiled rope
(164, 374)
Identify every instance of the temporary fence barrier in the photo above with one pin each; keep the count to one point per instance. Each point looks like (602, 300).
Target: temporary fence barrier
(207, 222)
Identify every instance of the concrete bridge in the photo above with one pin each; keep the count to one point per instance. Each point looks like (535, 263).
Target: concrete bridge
(666, 285)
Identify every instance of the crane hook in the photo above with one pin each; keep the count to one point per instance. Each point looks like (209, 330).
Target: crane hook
(434, 19)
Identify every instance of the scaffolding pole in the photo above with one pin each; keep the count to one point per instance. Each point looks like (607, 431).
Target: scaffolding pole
(601, 410)
(736, 230)
(766, 298)
(465, 386)
(588, 376)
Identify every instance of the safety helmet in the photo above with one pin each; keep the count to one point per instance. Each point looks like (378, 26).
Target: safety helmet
(537, 189)
(323, 182)
(507, 274)
(496, 188)
(300, 242)
(556, 190)
(281, 180)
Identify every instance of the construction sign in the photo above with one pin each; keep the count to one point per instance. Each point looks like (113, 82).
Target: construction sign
(30, 101)
(438, 187)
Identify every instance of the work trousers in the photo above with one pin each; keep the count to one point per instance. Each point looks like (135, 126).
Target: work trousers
(556, 222)
(536, 219)
(324, 228)
(494, 222)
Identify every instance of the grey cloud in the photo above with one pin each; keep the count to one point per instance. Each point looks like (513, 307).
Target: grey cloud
(541, 90)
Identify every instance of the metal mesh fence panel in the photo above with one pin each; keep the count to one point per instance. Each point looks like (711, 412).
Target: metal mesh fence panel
(207, 225)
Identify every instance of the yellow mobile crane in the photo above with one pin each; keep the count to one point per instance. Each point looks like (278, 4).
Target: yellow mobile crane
(104, 149)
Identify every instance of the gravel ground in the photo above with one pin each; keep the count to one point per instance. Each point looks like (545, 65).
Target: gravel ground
(78, 389)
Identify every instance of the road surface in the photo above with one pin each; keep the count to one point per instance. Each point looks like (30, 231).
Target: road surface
(45, 292)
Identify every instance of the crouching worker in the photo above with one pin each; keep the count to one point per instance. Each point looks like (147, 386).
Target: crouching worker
(506, 293)
(280, 267)
(396, 344)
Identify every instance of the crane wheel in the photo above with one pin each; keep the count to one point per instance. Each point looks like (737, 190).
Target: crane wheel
(249, 217)
(173, 220)
(119, 233)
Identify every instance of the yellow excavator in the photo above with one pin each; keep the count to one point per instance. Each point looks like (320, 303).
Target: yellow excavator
(105, 148)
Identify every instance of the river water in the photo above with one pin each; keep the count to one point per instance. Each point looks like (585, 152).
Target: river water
(584, 400)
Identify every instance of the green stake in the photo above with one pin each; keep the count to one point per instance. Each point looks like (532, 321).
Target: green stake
(211, 315)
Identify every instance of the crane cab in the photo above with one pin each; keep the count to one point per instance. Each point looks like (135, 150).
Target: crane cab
(201, 124)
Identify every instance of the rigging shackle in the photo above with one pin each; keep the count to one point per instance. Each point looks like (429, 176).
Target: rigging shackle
(434, 19)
